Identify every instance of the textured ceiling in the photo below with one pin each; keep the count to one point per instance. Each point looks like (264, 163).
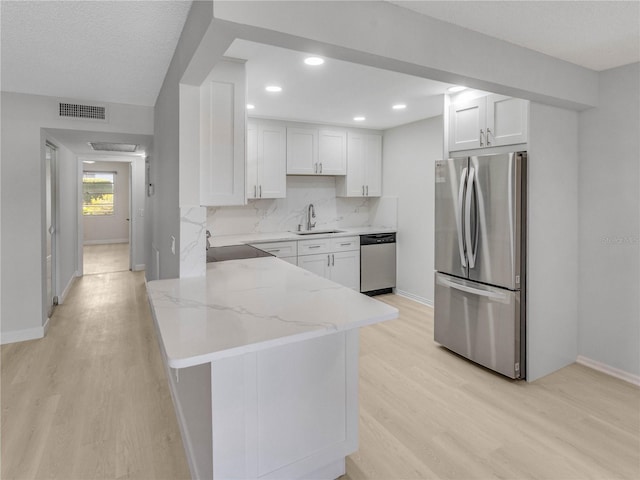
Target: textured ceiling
(109, 51)
(594, 34)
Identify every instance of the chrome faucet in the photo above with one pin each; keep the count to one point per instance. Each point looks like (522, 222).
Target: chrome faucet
(311, 213)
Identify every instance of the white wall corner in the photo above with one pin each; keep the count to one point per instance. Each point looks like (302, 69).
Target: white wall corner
(609, 370)
(67, 289)
(25, 334)
(193, 242)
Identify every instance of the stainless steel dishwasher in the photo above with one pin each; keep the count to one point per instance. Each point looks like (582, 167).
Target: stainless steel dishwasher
(377, 263)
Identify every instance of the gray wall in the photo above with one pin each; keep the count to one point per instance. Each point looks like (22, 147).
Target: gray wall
(24, 120)
(163, 207)
(409, 155)
(609, 285)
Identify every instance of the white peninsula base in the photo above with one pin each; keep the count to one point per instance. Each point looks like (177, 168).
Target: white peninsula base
(262, 358)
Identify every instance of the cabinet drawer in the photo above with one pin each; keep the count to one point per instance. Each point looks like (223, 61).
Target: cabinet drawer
(310, 247)
(279, 249)
(343, 244)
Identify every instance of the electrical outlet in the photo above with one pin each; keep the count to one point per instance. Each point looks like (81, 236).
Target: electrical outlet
(173, 245)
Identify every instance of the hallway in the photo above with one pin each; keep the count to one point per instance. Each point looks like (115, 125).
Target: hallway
(90, 400)
(111, 257)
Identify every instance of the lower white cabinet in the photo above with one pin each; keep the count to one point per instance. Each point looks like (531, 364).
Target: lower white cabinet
(287, 251)
(340, 261)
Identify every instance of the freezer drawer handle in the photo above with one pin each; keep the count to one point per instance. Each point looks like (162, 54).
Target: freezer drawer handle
(496, 296)
(461, 189)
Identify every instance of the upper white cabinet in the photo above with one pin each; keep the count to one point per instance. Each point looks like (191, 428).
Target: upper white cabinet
(266, 159)
(364, 166)
(302, 151)
(313, 151)
(222, 135)
(488, 121)
(332, 152)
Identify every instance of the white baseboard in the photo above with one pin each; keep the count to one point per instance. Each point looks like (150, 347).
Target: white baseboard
(139, 267)
(67, 289)
(609, 370)
(417, 298)
(106, 242)
(24, 335)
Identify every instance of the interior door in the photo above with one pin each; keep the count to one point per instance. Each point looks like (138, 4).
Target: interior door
(450, 178)
(50, 228)
(494, 201)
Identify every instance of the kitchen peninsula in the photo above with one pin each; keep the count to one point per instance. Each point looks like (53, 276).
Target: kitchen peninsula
(263, 364)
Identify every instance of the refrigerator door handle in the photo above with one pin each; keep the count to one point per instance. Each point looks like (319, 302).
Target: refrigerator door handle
(471, 244)
(459, 219)
(496, 296)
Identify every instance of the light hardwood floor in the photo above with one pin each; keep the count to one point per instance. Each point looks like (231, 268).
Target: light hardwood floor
(91, 401)
(112, 257)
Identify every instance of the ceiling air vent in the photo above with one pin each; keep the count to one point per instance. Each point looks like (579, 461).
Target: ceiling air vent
(113, 147)
(75, 110)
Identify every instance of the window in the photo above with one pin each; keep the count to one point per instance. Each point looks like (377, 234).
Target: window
(98, 193)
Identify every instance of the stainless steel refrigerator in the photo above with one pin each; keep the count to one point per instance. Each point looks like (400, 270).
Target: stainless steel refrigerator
(480, 259)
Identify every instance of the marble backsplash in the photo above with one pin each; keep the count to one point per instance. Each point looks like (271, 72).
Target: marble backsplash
(284, 214)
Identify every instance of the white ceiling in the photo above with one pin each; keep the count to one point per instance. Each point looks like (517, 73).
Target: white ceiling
(109, 51)
(334, 92)
(77, 142)
(594, 34)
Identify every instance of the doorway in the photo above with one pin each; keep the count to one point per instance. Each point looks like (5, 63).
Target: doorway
(50, 163)
(106, 216)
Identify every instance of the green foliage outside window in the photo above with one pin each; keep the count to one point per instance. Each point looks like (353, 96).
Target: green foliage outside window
(98, 193)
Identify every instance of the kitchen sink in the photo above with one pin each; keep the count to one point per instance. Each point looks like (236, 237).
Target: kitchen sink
(316, 232)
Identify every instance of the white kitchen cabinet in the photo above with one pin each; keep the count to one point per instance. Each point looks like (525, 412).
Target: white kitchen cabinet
(337, 259)
(332, 152)
(287, 251)
(489, 121)
(222, 135)
(266, 159)
(314, 151)
(302, 151)
(364, 167)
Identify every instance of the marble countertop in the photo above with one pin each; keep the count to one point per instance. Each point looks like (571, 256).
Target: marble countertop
(251, 238)
(249, 305)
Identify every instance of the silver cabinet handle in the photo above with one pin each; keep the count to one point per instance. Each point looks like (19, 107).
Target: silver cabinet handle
(260, 191)
(363, 190)
(255, 191)
(345, 244)
(367, 190)
(488, 133)
(320, 167)
(328, 260)
(333, 260)
(273, 250)
(481, 140)
(314, 246)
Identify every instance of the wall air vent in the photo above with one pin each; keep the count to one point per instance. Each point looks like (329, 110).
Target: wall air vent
(113, 147)
(75, 110)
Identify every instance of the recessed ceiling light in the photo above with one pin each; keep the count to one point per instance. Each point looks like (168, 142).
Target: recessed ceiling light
(250, 106)
(456, 89)
(88, 161)
(359, 119)
(314, 61)
(273, 88)
(399, 106)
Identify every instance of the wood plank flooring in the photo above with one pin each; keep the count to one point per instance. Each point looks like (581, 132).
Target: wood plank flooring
(91, 401)
(111, 257)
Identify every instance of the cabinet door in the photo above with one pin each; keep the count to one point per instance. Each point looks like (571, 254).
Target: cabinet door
(345, 269)
(507, 120)
(354, 183)
(466, 121)
(318, 264)
(332, 152)
(373, 165)
(252, 160)
(222, 142)
(272, 161)
(302, 151)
